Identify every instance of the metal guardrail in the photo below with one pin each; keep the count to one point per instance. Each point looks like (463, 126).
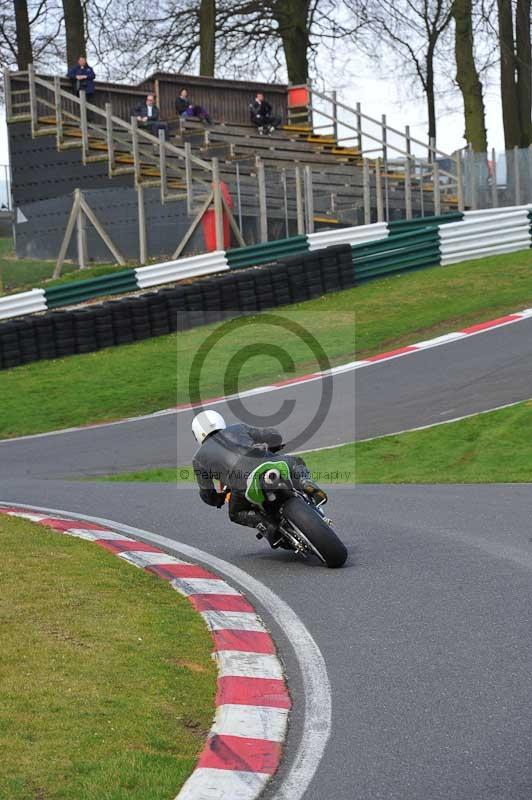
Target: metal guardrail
(192, 267)
(16, 305)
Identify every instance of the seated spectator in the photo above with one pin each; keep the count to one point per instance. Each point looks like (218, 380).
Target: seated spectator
(261, 115)
(186, 108)
(82, 77)
(147, 115)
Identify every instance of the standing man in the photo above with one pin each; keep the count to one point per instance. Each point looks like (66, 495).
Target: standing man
(261, 115)
(147, 115)
(82, 77)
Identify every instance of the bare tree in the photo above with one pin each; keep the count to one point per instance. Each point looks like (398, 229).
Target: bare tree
(29, 33)
(207, 36)
(23, 33)
(412, 30)
(74, 29)
(468, 78)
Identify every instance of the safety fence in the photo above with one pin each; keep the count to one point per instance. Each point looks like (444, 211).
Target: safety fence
(377, 249)
(187, 305)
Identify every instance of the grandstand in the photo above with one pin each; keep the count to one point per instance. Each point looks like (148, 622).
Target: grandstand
(317, 171)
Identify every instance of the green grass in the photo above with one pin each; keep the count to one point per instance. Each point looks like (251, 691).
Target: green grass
(22, 274)
(488, 448)
(106, 680)
(365, 320)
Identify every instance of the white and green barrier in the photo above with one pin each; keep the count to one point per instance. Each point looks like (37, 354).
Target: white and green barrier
(378, 249)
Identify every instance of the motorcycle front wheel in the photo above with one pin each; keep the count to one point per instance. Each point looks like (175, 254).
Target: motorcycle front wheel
(315, 532)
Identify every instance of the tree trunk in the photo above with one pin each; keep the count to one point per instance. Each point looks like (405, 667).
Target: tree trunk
(292, 18)
(207, 17)
(22, 23)
(74, 29)
(510, 108)
(524, 70)
(431, 95)
(468, 79)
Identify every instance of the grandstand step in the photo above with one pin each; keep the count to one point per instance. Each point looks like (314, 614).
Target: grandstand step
(46, 120)
(122, 171)
(151, 183)
(296, 128)
(45, 132)
(96, 158)
(70, 145)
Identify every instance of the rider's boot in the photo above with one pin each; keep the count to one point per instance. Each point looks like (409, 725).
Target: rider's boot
(315, 492)
(270, 531)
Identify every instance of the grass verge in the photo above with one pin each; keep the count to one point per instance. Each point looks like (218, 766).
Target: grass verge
(23, 274)
(488, 448)
(106, 680)
(154, 374)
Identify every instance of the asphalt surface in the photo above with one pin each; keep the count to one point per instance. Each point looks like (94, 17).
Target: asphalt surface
(461, 377)
(426, 631)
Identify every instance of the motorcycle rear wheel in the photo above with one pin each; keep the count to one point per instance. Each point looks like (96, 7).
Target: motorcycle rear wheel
(321, 537)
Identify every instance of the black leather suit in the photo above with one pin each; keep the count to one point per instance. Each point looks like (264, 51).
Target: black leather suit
(229, 456)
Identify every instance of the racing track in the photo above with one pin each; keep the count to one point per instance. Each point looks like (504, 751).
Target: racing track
(426, 631)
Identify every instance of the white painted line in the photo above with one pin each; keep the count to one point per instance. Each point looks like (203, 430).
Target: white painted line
(313, 670)
(94, 536)
(237, 664)
(218, 784)
(251, 722)
(141, 559)
(232, 620)
(190, 586)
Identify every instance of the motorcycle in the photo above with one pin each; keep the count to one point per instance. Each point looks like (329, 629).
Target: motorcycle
(302, 524)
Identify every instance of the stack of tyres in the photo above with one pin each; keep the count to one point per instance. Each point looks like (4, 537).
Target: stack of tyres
(103, 326)
(140, 318)
(313, 276)
(280, 286)
(121, 318)
(344, 257)
(212, 300)
(65, 341)
(296, 279)
(247, 299)
(27, 339)
(10, 345)
(175, 306)
(195, 313)
(45, 336)
(228, 294)
(264, 289)
(158, 312)
(85, 330)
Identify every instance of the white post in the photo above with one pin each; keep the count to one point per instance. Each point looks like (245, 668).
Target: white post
(218, 208)
(263, 211)
(378, 188)
(33, 100)
(188, 177)
(81, 236)
(58, 102)
(299, 203)
(494, 192)
(309, 198)
(83, 125)
(366, 184)
(143, 246)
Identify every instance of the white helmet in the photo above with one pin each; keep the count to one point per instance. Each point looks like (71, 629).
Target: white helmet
(207, 422)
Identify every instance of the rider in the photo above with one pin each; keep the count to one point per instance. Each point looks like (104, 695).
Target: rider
(229, 454)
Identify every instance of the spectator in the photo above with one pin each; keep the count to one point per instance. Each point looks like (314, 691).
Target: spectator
(261, 115)
(186, 108)
(82, 77)
(147, 115)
